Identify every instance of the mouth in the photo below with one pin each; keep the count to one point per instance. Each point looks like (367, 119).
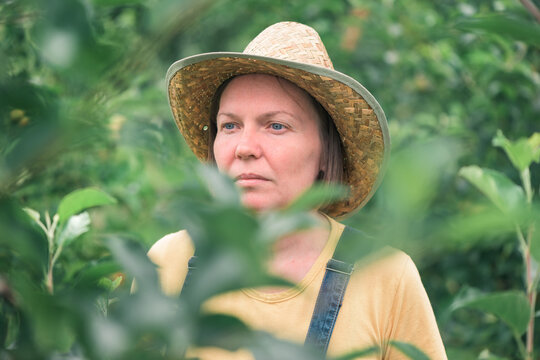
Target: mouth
(246, 180)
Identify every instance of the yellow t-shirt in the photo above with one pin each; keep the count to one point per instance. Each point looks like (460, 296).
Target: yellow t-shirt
(385, 300)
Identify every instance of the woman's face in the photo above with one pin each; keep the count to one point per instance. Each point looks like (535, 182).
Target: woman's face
(267, 140)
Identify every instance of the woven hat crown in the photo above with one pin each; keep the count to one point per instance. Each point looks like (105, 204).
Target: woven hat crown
(291, 41)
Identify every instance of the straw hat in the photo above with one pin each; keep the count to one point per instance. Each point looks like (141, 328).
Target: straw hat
(294, 52)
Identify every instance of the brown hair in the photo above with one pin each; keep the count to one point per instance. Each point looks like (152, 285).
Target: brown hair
(332, 149)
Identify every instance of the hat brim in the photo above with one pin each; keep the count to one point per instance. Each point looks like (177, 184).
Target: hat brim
(193, 81)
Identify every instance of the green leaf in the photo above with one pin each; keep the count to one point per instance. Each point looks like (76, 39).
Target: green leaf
(80, 200)
(535, 236)
(105, 283)
(267, 347)
(95, 272)
(360, 353)
(477, 226)
(223, 331)
(506, 195)
(117, 282)
(75, 227)
(221, 187)
(459, 353)
(316, 196)
(521, 152)
(512, 307)
(34, 215)
(504, 25)
(535, 242)
(110, 339)
(493, 357)
(487, 355)
(110, 284)
(133, 259)
(409, 350)
(116, 2)
(278, 224)
(53, 322)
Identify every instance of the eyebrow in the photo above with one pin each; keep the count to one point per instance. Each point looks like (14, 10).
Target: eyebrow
(264, 116)
(231, 115)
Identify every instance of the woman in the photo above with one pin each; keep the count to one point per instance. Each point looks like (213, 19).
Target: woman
(277, 118)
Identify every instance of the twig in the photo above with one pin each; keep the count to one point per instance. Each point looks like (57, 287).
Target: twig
(522, 243)
(529, 5)
(50, 230)
(526, 180)
(49, 277)
(531, 294)
(520, 344)
(530, 330)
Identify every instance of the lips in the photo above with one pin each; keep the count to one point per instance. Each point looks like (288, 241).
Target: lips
(250, 177)
(246, 180)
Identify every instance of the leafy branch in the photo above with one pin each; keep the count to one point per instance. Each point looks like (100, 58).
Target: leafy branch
(515, 202)
(529, 5)
(67, 225)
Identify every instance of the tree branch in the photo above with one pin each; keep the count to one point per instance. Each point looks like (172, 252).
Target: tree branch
(529, 5)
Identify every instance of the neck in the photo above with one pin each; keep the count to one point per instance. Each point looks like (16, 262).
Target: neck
(294, 255)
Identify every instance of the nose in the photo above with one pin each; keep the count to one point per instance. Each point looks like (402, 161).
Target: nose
(248, 146)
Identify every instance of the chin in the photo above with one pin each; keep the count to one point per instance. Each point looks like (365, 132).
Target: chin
(258, 205)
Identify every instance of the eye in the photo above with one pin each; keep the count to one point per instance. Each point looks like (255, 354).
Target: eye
(228, 126)
(277, 126)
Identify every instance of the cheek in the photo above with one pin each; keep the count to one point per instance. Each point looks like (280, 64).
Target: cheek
(309, 154)
(221, 153)
(300, 163)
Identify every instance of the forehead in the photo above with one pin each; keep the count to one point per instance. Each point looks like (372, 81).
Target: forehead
(269, 89)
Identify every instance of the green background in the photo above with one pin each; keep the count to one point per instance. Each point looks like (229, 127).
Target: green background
(83, 104)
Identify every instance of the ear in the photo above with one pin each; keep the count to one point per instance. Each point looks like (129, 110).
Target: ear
(322, 166)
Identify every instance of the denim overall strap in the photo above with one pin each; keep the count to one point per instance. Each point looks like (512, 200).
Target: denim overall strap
(191, 267)
(331, 293)
(328, 305)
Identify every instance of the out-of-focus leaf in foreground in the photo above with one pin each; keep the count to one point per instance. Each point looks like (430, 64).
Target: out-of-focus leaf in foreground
(82, 199)
(75, 227)
(522, 152)
(504, 25)
(223, 331)
(360, 353)
(503, 193)
(265, 346)
(535, 238)
(318, 195)
(411, 351)
(512, 307)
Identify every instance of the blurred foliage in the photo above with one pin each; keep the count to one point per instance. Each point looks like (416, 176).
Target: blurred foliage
(83, 104)
(92, 316)
(516, 309)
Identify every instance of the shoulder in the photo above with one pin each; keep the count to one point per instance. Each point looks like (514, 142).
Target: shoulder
(170, 246)
(409, 315)
(399, 266)
(395, 261)
(367, 253)
(171, 254)
(401, 300)
(379, 270)
(388, 267)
